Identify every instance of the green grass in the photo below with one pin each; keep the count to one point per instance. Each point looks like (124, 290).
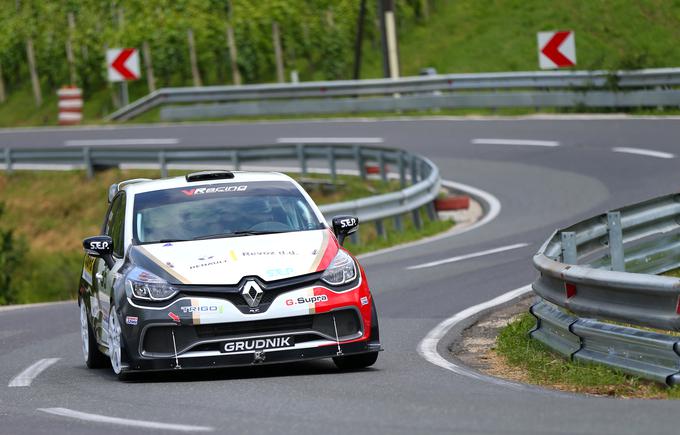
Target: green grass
(369, 240)
(65, 207)
(541, 366)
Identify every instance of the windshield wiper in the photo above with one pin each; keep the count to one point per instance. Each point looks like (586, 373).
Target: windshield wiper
(151, 242)
(238, 234)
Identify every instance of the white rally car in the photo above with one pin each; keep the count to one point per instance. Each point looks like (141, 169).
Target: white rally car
(222, 268)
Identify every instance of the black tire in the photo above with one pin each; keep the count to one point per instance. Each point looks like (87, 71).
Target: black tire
(94, 359)
(355, 362)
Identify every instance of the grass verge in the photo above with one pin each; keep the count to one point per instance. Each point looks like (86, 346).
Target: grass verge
(529, 361)
(51, 212)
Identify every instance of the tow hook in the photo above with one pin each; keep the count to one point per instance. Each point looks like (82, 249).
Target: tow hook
(259, 357)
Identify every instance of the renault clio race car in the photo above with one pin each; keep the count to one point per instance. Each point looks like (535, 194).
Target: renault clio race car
(221, 269)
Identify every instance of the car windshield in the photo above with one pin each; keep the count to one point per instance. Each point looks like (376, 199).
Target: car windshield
(221, 210)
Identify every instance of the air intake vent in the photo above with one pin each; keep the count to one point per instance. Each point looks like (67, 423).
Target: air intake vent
(210, 175)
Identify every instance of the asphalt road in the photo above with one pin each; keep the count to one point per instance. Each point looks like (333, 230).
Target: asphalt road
(540, 188)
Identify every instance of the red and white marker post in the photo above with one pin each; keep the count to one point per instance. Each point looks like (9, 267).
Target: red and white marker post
(70, 105)
(556, 49)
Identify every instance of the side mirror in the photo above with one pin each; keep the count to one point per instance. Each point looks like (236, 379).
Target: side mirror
(100, 247)
(343, 226)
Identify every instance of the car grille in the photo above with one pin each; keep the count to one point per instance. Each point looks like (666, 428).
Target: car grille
(271, 290)
(157, 340)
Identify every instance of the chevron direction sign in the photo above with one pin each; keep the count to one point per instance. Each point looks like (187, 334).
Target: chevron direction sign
(556, 49)
(122, 64)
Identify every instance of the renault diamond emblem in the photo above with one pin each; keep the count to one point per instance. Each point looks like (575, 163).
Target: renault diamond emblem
(252, 293)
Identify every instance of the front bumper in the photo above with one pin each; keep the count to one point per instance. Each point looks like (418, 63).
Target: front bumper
(190, 332)
(248, 359)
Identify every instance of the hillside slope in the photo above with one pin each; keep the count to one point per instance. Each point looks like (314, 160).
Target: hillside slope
(470, 36)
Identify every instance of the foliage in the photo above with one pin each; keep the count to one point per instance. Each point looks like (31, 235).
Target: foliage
(11, 256)
(317, 38)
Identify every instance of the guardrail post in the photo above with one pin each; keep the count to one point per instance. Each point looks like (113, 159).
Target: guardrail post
(302, 158)
(383, 166)
(354, 237)
(8, 160)
(414, 170)
(431, 211)
(569, 247)
(615, 241)
(402, 169)
(235, 160)
(398, 224)
(380, 229)
(331, 163)
(163, 164)
(417, 219)
(87, 160)
(360, 161)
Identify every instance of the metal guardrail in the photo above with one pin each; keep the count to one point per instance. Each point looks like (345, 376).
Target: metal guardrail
(587, 88)
(605, 268)
(419, 177)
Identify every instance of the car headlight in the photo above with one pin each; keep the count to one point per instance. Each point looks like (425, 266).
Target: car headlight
(144, 285)
(342, 270)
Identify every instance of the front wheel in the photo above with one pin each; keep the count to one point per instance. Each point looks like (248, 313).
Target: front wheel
(116, 345)
(94, 359)
(355, 362)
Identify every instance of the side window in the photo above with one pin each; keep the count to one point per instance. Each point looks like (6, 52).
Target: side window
(116, 225)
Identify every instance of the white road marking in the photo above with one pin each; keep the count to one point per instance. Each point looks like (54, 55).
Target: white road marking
(115, 142)
(427, 348)
(644, 152)
(330, 140)
(96, 418)
(527, 142)
(26, 377)
(468, 256)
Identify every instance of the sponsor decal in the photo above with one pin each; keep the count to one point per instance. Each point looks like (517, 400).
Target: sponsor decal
(218, 189)
(364, 300)
(208, 261)
(203, 309)
(131, 320)
(268, 253)
(279, 272)
(88, 268)
(348, 223)
(256, 344)
(170, 265)
(167, 245)
(232, 255)
(98, 245)
(304, 300)
(94, 306)
(173, 316)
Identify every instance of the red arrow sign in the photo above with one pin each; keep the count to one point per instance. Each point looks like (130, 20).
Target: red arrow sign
(119, 64)
(552, 50)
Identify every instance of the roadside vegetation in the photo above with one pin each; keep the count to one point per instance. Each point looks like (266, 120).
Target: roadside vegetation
(45, 215)
(526, 360)
(317, 39)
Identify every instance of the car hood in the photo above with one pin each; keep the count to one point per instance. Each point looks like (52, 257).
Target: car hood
(226, 261)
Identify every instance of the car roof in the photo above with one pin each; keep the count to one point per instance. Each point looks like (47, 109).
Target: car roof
(181, 181)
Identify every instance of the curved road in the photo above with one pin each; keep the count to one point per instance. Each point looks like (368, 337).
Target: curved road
(588, 167)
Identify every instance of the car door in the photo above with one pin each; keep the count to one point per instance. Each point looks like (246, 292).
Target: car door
(106, 277)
